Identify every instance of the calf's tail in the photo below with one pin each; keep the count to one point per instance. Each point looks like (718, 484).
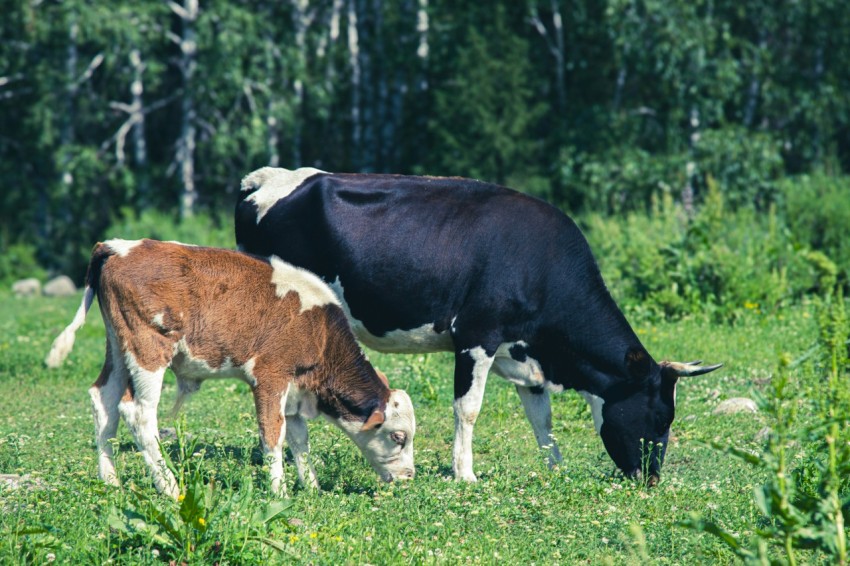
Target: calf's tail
(64, 343)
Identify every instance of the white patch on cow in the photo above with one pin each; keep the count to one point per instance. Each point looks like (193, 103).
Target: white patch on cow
(466, 411)
(311, 290)
(273, 184)
(596, 404)
(122, 247)
(158, 320)
(527, 373)
(420, 339)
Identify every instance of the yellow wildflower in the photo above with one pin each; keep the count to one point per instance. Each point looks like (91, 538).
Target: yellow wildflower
(181, 497)
(314, 535)
(202, 522)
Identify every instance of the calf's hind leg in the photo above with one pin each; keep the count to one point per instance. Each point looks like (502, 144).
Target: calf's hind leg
(139, 413)
(105, 395)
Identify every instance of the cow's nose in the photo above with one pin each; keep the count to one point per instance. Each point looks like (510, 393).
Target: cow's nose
(406, 474)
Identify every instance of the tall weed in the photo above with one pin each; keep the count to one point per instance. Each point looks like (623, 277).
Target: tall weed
(805, 499)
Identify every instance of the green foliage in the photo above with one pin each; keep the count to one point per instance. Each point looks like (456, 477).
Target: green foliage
(18, 261)
(715, 263)
(806, 498)
(817, 209)
(201, 229)
(204, 516)
(490, 139)
(582, 512)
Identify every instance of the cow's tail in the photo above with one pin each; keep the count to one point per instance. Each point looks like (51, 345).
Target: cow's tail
(64, 343)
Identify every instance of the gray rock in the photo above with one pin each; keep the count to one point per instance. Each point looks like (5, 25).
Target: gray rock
(27, 287)
(736, 405)
(61, 286)
(15, 481)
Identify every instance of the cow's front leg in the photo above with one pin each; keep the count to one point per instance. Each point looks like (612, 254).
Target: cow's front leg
(471, 368)
(538, 410)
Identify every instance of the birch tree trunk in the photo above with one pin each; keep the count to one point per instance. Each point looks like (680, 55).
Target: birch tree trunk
(302, 19)
(188, 14)
(354, 62)
(137, 118)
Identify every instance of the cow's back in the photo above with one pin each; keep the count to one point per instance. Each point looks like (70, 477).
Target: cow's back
(408, 251)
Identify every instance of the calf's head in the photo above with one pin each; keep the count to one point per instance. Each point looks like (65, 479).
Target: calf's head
(386, 438)
(636, 414)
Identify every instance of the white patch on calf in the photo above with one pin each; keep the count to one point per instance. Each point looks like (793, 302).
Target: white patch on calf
(389, 459)
(273, 184)
(311, 290)
(596, 404)
(158, 320)
(122, 247)
(420, 339)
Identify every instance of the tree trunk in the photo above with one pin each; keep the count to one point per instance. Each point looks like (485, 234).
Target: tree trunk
(354, 61)
(137, 118)
(188, 14)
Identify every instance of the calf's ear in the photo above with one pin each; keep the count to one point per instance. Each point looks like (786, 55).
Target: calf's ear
(375, 420)
(383, 377)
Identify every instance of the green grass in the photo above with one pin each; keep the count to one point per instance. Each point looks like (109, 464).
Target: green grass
(518, 512)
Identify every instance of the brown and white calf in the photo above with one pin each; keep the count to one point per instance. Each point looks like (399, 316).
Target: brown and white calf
(210, 313)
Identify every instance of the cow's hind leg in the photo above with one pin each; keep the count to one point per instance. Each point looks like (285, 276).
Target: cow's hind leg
(105, 395)
(538, 410)
(471, 368)
(139, 413)
(299, 443)
(270, 402)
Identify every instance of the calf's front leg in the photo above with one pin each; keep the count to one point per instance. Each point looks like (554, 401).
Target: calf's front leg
(270, 401)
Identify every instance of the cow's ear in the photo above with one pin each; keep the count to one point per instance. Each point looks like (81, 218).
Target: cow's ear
(375, 420)
(637, 362)
(672, 371)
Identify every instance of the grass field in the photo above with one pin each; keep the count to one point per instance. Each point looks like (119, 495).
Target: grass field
(518, 512)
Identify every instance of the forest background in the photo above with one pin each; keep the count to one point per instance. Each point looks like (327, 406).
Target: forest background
(702, 145)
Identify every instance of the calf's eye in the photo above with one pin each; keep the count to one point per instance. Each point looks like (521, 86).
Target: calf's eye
(399, 437)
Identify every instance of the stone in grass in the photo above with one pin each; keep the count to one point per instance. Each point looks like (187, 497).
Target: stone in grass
(15, 481)
(27, 287)
(61, 286)
(736, 405)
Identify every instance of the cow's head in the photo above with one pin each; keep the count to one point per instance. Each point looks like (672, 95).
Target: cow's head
(633, 416)
(386, 438)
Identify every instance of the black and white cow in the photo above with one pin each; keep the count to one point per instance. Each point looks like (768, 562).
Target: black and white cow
(503, 280)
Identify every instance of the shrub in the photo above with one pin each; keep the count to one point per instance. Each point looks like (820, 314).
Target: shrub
(18, 261)
(201, 229)
(817, 211)
(669, 264)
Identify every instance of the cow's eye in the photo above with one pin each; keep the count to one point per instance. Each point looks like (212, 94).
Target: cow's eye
(399, 437)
